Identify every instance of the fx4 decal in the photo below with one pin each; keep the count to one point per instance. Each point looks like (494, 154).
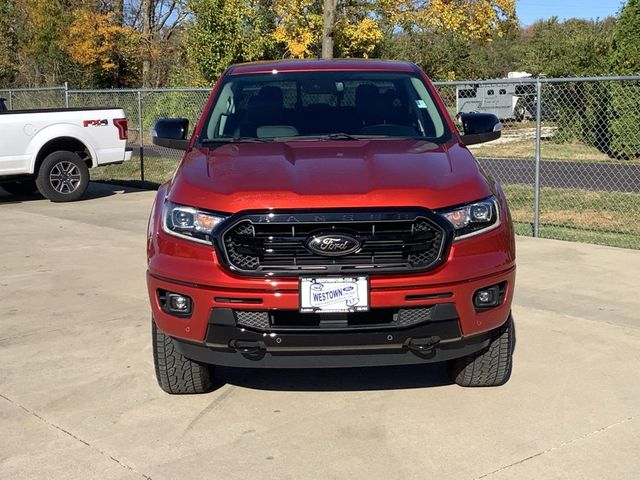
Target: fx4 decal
(96, 123)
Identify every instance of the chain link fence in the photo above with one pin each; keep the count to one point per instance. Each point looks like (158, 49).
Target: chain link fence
(150, 165)
(568, 158)
(569, 155)
(33, 98)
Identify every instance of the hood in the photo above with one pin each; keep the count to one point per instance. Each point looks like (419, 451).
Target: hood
(328, 174)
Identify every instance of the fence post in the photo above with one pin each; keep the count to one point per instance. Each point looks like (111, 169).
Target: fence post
(10, 99)
(141, 134)
(536, 206)
(66, 94)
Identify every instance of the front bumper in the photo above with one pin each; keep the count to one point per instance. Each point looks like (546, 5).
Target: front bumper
(194, 270)
(435, 340)
(201, 327)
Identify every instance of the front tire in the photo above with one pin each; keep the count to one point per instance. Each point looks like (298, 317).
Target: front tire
(489, 367)
(176, 374)
(20, 187)
(63, 177)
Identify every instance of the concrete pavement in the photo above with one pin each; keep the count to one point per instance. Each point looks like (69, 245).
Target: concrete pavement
(78, 397)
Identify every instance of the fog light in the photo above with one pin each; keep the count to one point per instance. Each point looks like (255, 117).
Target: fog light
(484, 297)
(179, 303)
(489, 297)
(175, 303)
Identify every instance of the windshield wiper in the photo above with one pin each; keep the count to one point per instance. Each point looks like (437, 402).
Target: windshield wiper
(332, 136)
(341, 136)
(209, 141)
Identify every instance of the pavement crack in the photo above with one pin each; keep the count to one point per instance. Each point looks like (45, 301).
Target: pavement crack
(212, 406)
(75, 437)
(557, 447)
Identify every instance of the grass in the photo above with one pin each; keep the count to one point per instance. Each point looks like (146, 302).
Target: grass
(606, 218)
(575, 152)
(157, 170)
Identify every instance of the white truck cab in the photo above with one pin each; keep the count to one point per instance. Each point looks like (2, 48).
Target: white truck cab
(51, 150)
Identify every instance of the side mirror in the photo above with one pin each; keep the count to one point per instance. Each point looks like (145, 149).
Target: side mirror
(171, 133)
(480, 127)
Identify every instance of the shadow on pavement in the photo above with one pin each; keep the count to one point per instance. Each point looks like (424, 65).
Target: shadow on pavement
(95, 190)
(337, 379)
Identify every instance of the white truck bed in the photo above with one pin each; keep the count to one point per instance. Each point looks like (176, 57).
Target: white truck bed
(23, 133)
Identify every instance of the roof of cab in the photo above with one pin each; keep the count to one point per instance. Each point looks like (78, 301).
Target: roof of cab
(314, 65)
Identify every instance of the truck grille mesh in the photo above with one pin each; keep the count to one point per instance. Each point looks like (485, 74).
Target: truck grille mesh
(259, 320)
(393, 318)
(253, 247)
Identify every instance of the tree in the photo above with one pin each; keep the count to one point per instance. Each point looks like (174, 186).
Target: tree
(117, 8)
(223, 32)
(625, 96)
(467, 19)
(567, 49)
(9, 18)
(573, 48)
(157, 20)
(108, 52)
(626, 43)
(298, 27)
(42, 58)
(449, 40)
(311, 28)
(328, 24)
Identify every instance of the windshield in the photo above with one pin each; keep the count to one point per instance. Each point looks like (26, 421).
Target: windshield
(329, 105)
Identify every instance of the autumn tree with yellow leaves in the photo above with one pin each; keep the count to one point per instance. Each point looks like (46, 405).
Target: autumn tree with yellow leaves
(108, 52)
(155, 43)
(358, 27)
(226, 31)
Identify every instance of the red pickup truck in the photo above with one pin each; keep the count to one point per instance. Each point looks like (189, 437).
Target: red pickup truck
(329, 214)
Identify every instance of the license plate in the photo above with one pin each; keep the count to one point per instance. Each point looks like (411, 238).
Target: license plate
(334, 294)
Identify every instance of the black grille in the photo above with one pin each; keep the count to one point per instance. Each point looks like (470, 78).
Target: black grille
(258, 320)
(408, 317)
(390, 242)
(285, 320)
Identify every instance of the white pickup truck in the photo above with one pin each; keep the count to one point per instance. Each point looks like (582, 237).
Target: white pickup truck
(51, 150)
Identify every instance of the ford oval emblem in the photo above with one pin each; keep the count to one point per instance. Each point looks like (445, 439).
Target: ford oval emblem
(333, 244)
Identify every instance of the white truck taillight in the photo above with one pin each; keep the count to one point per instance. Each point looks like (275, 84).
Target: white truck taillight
(121, 125)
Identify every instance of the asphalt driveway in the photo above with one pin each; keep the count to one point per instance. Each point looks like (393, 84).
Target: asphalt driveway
(78, 398)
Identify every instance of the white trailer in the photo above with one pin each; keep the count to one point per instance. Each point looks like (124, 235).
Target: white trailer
(507, 101)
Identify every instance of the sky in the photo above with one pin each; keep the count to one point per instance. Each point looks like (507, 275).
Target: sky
(529, 11)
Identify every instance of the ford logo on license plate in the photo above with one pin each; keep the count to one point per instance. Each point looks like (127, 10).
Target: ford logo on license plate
(333, 244)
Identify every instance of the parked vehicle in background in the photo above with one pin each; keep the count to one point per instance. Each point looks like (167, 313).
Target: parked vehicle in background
(328, 214)
(3, 106)
(52, 150)
(507, 101)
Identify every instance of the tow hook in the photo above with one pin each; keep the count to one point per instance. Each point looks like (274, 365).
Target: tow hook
(423, 346)
(249, 348)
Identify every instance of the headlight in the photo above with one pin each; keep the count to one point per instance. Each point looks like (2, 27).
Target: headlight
(189, 222)
(474, 218)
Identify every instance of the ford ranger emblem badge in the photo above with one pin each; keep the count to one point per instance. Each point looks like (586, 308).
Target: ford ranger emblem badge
(333, 244)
